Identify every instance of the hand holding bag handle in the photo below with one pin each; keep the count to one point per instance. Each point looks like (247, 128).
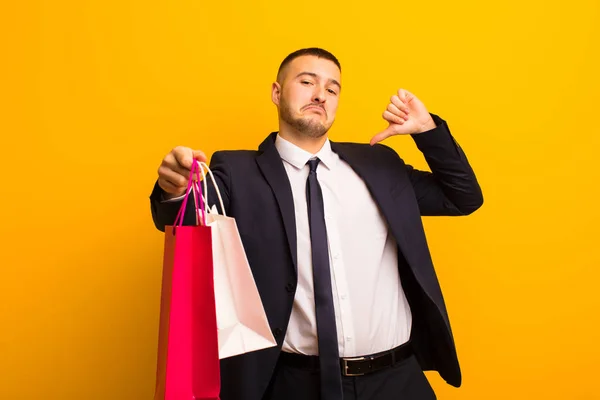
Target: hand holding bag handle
(195, 188)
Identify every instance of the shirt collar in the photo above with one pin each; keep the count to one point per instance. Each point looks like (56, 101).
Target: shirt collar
(298, 157)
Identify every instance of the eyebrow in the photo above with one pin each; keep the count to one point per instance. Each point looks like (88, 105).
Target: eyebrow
(316, 76)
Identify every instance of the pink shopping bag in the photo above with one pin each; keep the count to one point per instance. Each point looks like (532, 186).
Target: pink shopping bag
(188, 350)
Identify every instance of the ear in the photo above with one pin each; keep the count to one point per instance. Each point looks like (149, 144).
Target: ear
(275, 93)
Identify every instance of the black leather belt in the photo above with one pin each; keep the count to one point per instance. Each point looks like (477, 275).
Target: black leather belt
(352, 366)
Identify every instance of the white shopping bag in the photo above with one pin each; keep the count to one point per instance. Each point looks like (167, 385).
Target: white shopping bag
(241, 320)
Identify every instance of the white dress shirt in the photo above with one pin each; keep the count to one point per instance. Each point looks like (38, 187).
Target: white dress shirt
(372, 313)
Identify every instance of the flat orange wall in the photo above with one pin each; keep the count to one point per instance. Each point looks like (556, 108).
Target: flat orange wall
(94, 94)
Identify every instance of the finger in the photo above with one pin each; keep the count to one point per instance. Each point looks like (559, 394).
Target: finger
(177, 179)
(400, 104)
(199, 155)
(381, 136)
(405, 96)
(170, 187)
(184, 156)
(171, 163)
(392, 118)
(394, 110)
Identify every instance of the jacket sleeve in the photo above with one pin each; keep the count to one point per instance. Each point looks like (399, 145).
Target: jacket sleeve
(164, 213)
(451, 188)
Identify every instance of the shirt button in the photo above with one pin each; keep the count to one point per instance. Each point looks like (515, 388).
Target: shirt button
(343, 297)
(348, 338)
(290, 287)
(277, 332)
(336, 256)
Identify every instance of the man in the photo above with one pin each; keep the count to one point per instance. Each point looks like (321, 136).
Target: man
(334, 237)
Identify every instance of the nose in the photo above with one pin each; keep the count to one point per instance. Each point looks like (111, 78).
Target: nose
(319, 95)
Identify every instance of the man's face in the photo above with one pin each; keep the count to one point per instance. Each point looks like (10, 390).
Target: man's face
(307, 97)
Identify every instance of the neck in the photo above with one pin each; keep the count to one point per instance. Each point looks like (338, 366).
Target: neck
(306, 143)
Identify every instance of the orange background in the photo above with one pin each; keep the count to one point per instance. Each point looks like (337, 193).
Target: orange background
(94, 94)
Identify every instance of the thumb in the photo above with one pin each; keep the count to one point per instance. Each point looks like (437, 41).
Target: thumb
(405, 96)
(199, 155)
(382, 136)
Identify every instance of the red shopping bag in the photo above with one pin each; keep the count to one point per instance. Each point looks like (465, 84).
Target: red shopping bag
(188, 352)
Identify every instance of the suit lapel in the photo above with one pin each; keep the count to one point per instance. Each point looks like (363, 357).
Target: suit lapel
(358, 160)
(273, 170)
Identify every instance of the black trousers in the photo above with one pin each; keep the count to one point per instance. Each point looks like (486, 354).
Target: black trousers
(403, 381)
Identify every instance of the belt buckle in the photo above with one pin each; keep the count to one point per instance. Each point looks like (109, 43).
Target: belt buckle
(345, 365)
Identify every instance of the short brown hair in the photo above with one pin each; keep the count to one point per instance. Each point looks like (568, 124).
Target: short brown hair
(311, 51)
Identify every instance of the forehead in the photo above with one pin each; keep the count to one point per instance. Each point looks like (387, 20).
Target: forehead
(324, 68)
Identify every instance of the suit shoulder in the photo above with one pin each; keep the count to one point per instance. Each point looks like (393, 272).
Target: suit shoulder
(234, 156)
(236, 153)
(377, 151)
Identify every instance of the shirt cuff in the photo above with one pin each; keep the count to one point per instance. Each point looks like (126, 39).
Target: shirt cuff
(437, 137)
(173, 200)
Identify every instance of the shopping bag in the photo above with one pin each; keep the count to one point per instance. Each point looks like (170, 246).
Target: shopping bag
(241, 320)
(210, 306)
(188, 355)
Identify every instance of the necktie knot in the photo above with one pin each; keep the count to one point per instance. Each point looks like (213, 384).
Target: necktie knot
(313, 164)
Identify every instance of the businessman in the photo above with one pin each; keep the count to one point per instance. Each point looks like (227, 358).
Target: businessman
(335, 240)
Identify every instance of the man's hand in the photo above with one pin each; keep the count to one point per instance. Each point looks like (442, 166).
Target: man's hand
(406, 115)
(174, 171)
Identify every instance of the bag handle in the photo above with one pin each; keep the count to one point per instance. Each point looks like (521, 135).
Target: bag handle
(191, 187)
(203, 166)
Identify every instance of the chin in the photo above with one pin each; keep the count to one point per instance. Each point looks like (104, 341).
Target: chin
(315, 118)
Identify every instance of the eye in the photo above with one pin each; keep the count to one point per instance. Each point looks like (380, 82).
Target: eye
(331, 91)
(306, 82)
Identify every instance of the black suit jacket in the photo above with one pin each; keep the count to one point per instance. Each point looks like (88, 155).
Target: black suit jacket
(257, 193)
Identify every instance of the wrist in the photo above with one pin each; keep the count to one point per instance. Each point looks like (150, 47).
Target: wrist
(427, 126)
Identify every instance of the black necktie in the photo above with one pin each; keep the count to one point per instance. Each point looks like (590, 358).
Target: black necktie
(330, 373)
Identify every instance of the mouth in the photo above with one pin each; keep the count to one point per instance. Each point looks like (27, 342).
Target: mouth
(317, 108)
